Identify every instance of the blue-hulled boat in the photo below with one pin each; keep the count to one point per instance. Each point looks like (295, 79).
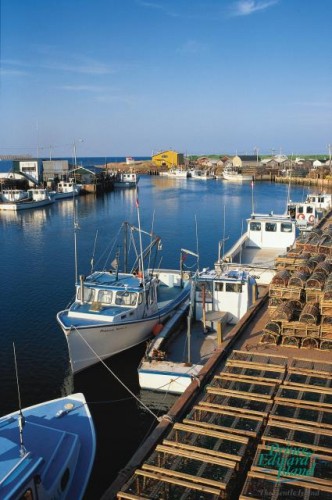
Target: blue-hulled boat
(47, 450)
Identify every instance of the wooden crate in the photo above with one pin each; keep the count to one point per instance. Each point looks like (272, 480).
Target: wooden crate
(299, 329)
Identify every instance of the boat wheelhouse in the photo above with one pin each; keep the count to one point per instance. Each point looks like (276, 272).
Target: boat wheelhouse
(126, 180)
(267, 236)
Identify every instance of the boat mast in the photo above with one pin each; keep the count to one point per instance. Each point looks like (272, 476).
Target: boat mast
(21, 419)
(140, 240)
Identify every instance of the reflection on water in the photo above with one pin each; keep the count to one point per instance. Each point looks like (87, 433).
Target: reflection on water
(37, 270)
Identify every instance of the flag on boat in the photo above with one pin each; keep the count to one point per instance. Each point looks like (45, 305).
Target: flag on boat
(114, 263)
(137, 201)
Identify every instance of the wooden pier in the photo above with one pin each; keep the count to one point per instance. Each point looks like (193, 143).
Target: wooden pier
(261, 404)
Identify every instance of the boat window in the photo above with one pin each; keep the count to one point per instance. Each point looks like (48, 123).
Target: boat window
(310, 210)
(219, 286)
(234, 287)
(255, 226)
(105, 296)
(286, 227)
(271, 227)
(140, 298)
(88, 294)
(300, 210)
(126, 299)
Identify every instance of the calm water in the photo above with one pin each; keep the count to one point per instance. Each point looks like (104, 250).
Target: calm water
(37, 269)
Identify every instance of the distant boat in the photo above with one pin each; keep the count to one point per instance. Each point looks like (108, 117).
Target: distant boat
(231, 173)
(126, 180)
(47, 450)
(309, 212)
(66, 189)
(178, 173)
(36, 197)
(114, 311)
(219, 300)
(130, 160)
(201, 174)
(266, 237)
(13, 195)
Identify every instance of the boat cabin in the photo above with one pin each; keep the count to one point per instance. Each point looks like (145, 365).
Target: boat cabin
(13, 195)
(232, 292)
(270, 231)
(321, 201)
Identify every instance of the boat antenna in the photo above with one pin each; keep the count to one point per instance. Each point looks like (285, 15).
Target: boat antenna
(140, 238)
(197, 251)
(94, 252)
(252, 197)
(224, 239)
(76, 228)
(21, 419)
(152, 227)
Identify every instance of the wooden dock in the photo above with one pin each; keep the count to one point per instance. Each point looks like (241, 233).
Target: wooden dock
(258, 421)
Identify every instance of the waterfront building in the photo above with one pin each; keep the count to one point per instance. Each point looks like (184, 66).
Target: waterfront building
(168, 159)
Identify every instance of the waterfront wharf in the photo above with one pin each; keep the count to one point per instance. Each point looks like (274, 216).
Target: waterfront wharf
(262, 403)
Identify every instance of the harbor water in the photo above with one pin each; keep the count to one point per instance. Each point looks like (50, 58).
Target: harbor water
(38, 273)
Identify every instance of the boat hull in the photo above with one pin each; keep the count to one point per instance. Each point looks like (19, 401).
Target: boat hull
(25, 205)
(166, 376)
(88, 344)
(237, 177)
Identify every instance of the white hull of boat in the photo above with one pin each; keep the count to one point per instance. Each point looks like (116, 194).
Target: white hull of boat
(237, 177)
(87, 345)
(25, 205)
(61, 196)
(163, 376)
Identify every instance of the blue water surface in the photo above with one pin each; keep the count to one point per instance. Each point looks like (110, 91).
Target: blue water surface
(38, 273)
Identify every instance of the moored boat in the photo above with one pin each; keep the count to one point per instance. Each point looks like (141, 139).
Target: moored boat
(126, 180)
(202, 174)
(114, 311)
(66, 189)
(47, 450)
(231, 173)
(309, 212)
(266, 237)
(37, 197)
(219, 299)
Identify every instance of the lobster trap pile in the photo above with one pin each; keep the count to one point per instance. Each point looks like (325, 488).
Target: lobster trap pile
(300, 295)
(251, 425)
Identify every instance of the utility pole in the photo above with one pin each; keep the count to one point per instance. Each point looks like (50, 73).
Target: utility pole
(330, 147)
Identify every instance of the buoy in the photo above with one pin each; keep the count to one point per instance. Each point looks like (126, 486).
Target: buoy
(157, 329)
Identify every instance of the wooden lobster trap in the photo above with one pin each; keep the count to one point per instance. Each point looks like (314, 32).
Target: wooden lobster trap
(280, 279)
(326, 299)
(310, 314)
(326, 328)
(299, 329)
(325, 266)
(288, 311)
(325, 245)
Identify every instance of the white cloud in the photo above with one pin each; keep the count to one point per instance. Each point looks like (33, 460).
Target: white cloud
(248, 7)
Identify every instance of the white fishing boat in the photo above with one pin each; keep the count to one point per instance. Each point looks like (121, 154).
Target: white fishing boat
(178, 173)
(309, 212)
(126, 180)
(176, 356)
(66, 189)
(203, 175)
(47, 450)
(114, 311)
(266, 237)
(231, 173)
(13, 195)
(37, 197)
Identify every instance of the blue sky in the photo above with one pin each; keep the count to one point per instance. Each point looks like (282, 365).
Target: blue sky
(130, 77)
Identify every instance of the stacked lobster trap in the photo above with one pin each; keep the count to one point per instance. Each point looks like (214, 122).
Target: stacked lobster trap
(300, 295)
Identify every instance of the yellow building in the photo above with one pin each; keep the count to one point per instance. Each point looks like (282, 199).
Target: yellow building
(168, 159)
